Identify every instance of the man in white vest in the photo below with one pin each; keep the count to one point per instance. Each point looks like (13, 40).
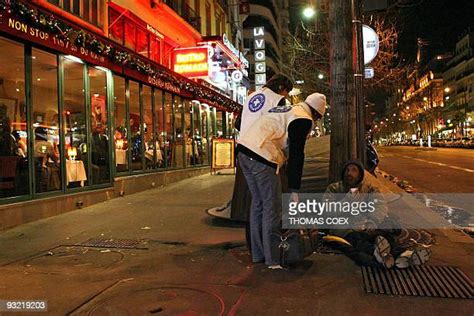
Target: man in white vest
(262, 151)
(271, 95)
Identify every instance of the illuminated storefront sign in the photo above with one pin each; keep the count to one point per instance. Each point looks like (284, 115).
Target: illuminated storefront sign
(191, 62)
(259, 53)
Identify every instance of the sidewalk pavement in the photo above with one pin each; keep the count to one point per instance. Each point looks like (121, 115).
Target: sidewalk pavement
(193, 264)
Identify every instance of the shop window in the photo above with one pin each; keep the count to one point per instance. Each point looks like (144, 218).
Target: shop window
(148, 128)
(116, 26)
(204, 113)
(220, 123)
(14, 175)
(44, 105)
(160, 132)
(142, 42)
(126, 31)
(155, 54)
(88, 10)
(179, 148)
(130, 36)
(100, 141)
(169, 130)
(188, 135)
(121, 128)
(136, 144)
(208, 19)
(76, 136)
(197, 156)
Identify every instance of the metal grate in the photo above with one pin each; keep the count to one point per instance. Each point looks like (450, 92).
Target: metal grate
(114, 243)
(427, 281)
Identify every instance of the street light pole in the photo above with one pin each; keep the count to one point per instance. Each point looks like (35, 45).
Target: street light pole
(358, 61)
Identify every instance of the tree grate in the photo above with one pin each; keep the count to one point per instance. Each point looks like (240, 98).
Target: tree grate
(424, 281)
(114, 243)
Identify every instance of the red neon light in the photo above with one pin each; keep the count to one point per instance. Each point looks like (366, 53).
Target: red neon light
(191, 62)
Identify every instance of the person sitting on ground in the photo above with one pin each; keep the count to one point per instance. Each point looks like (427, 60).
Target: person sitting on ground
(370, 245)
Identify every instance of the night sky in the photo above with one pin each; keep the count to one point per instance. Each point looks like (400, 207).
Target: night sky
(441, 22)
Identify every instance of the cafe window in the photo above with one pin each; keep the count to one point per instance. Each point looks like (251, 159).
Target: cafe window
(76, 135)
(44, 105)
(126, 30)
(148, 140)
(98, 111)
(205, 132)
(136, 144)
(160, 132)
(88, 10)
(169, 130)
(121, 129)
(179, 147)
(14, 175)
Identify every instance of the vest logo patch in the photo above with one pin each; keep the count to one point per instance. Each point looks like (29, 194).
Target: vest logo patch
(257, 102)
(280, 109)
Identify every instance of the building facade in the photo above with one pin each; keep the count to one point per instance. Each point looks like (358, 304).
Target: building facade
(459, 89)
(274, 17)
(91, 107)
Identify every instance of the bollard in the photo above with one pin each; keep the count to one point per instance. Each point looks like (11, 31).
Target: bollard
(421, 142)
(429, 141)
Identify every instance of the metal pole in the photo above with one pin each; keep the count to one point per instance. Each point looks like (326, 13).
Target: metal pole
(358, 115)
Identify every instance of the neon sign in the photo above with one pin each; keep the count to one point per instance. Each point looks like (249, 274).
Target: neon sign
(191, 62)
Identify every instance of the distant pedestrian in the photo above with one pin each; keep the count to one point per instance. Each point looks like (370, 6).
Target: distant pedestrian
(262, 152)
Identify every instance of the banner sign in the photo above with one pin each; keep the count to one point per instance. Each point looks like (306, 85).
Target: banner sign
(260, 57)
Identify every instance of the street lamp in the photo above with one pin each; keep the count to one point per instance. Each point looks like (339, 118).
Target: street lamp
(309, 12)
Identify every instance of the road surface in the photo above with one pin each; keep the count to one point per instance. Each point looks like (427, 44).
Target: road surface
(446, 170)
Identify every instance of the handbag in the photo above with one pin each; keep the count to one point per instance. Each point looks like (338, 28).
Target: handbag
(292, 246)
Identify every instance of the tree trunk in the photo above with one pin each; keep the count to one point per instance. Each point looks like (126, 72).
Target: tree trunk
(341, 85)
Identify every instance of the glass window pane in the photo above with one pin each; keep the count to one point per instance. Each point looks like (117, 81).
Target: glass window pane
(219, 122)
(142, 42)
(169, 130)
(86, 10)
(198, 138)
(188, 134)
(148, 128)
(154, 49)
(121, 129)
(136, 138)
(116, 29)
(14, 176)
(67, 5)
(205, 133)
(100, 140)
(95, 12)
(77, 163)
(76, 7)
(45, 121)
(179, 144)
(160, 137)
(130, 35)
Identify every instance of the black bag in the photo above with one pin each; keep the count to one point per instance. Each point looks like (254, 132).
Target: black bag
(291, 246)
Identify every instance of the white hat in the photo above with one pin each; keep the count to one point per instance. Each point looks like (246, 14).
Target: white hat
(317, 101)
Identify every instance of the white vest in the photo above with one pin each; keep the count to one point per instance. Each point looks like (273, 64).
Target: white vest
(268, 136)
(257, 103)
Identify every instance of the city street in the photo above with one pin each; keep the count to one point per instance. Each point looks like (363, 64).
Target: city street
(446, 170)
